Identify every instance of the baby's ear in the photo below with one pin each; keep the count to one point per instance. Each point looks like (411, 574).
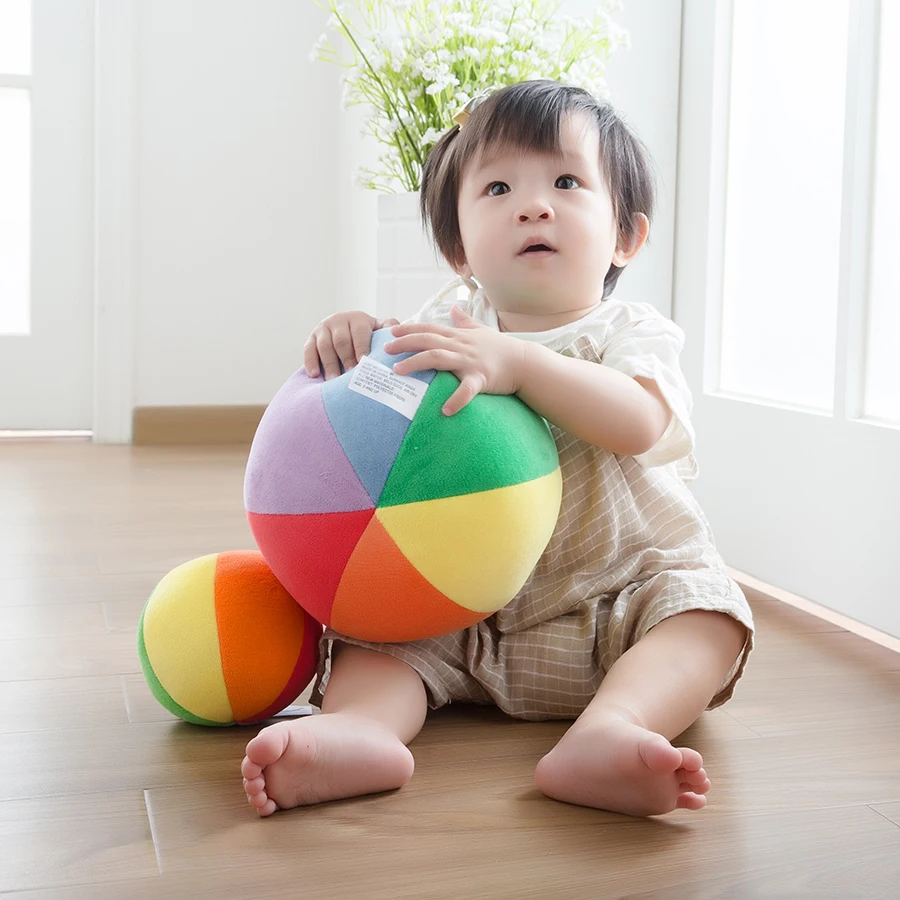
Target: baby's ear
(629, 245)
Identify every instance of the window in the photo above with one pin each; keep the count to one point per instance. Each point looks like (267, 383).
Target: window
(882, 382)
(785, 198)
(783, 206)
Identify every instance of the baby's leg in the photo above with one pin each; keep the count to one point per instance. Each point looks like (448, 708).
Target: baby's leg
(373, 706)
(617, 755)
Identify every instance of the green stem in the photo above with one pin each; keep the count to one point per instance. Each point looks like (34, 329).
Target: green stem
(391, 108)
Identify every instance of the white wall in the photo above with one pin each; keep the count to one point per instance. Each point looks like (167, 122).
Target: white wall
(237, 185)
(249, 228)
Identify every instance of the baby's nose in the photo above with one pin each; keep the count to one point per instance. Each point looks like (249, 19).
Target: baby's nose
(536, 210)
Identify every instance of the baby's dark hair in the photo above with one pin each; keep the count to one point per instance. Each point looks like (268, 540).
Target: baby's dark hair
(527, 117)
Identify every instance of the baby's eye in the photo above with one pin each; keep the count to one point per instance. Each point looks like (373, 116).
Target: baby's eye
(493, 184)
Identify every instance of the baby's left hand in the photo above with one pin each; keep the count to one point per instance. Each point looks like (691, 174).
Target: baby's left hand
(485, 361)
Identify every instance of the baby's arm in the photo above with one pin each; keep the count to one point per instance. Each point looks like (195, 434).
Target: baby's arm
(596, 403)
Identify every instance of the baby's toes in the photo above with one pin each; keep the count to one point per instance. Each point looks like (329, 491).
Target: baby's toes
(250, 769)
(690, 787)
(690, 759)
(268, 809)
(690, 801)
(254, 785)
(693, 777)
(258, 800)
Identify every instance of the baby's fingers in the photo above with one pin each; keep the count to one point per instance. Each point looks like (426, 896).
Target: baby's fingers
(311, 357)
(344, 341)
(331, 364)
(361, 337)
(467, 391)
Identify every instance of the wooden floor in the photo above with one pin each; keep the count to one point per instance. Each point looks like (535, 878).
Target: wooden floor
(104, 795)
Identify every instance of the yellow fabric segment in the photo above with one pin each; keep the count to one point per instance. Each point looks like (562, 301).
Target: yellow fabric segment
(182, 639)
(487, 543)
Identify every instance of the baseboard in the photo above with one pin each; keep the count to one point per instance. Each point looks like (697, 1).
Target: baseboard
(815, 609)
(195, 424)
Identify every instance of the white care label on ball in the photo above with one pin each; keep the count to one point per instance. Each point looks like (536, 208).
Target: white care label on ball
(402, 393)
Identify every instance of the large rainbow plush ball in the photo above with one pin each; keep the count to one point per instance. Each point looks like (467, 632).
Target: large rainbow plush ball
(385, 518)
(221, 641)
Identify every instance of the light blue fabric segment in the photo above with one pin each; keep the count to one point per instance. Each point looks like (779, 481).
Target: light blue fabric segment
(369, 432)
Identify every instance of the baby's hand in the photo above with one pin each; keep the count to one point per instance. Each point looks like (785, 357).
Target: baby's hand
(343, 338)
(485, 361)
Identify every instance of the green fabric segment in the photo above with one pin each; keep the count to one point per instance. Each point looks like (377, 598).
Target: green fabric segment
(493, 442)
(158, 690)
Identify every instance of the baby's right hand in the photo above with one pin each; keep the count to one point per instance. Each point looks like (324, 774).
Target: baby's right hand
(343, 338)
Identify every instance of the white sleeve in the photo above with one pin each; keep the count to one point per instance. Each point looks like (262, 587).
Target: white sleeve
(649, 348)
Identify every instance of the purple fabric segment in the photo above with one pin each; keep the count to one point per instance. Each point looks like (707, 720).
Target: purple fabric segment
(296, 464)
(369, 432)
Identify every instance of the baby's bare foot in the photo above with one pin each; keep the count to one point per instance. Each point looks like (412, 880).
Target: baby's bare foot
(612, 763)
(321, 758)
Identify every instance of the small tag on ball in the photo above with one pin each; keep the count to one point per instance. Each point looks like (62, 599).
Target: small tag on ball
(402, 393)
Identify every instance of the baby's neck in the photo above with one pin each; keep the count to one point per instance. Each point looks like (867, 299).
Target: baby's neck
(527, 323)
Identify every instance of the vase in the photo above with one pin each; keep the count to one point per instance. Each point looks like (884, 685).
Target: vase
(410, 269)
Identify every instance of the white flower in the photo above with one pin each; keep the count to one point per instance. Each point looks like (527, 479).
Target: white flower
(316, 49)
(404, 53)
(439, 86)
(431, 136)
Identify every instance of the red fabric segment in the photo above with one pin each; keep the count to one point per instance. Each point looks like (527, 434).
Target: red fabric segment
(382, 597)
(261, 632)
(308, 552)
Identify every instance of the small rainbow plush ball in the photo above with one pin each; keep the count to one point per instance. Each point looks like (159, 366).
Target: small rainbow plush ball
(385, 518)
(221, 641)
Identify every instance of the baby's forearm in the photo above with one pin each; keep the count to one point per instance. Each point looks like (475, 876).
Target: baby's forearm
(595, 403)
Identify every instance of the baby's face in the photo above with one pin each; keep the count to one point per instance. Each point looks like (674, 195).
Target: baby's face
(565, 204)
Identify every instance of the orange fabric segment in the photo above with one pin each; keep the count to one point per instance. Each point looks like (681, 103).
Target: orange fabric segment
(261, 631)
(383, 598)
(302, 676)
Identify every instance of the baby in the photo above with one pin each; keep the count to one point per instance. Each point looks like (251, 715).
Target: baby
(629, 623)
